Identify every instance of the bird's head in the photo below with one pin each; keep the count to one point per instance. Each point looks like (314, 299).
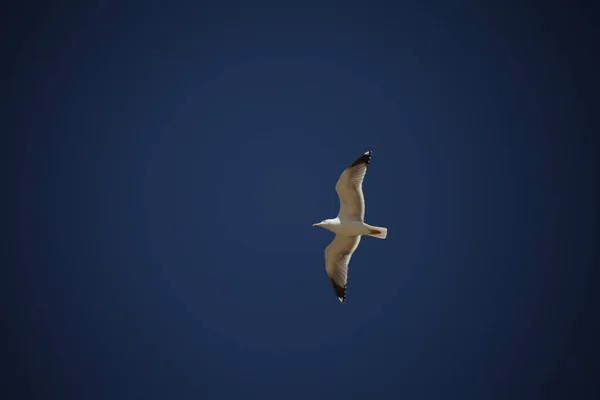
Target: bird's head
(323, 223)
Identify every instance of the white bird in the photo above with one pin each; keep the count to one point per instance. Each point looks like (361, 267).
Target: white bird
(349, 225)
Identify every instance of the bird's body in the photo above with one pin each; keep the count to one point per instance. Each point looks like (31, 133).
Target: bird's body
(349, 225)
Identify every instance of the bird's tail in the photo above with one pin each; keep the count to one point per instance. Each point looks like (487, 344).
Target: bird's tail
(377, 231)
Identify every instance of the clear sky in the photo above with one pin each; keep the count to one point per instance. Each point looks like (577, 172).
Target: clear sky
(169, 160)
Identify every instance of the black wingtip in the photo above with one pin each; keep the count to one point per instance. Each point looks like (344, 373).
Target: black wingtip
(363, 159)
(340, 291)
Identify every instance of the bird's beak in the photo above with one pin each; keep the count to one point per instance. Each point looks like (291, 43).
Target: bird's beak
(318, 224)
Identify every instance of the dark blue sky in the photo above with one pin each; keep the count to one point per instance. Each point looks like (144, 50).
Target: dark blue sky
(165, 162)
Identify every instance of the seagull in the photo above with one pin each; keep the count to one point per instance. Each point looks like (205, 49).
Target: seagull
(349, 225)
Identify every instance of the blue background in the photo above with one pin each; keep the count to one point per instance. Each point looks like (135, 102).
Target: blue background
(165, 162)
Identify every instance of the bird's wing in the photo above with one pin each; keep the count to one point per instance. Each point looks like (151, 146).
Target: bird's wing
(337, 258)
(349, 189)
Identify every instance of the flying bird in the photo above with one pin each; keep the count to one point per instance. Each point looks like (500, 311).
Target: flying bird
(349, 225)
